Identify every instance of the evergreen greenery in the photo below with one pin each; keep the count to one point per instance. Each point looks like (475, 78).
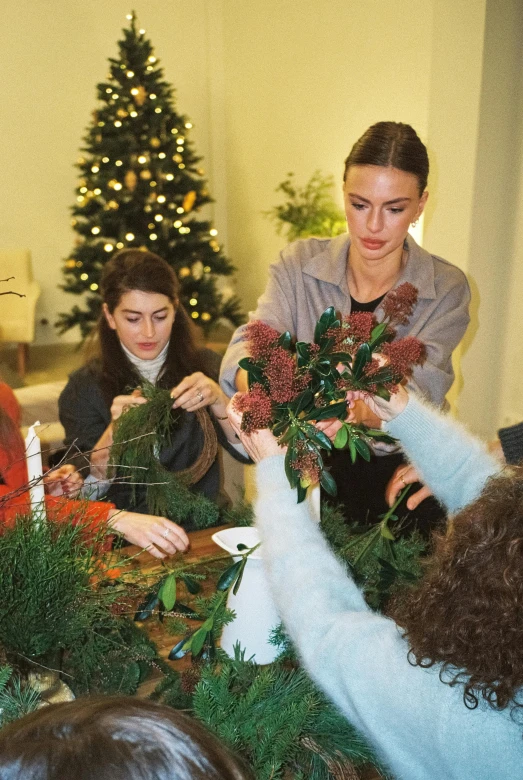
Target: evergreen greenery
(141, 186)
(309, 210)
(16, 699)
(276, 719)
(48, 603)
(140, 433)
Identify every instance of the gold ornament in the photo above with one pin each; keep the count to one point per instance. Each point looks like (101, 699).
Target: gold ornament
(188, 201)
(70, 263)
(130, 180)
(155, 143)
(183, 272)
(122, 113)
(145, 174)
(200, 172)
(177, 158)
(140, 95)
(112, 204)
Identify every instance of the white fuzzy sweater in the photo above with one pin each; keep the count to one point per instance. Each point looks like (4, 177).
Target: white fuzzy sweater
(418, 725)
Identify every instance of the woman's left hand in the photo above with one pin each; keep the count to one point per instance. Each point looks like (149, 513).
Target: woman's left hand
(259, 444)
(63, 481)
(197, 391)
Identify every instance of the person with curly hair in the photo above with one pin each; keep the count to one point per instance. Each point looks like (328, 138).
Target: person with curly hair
(436, 688)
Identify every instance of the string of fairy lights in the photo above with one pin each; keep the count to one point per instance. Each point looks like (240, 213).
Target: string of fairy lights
(108, 182)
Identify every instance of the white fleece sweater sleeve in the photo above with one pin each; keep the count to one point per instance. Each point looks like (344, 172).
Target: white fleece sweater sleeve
(313, 593)
(453, 463)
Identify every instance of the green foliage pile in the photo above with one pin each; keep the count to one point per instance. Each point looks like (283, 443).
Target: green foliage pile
(47, 603)
(309, 210)
(139, 435)
(52, 615)
(277, 720)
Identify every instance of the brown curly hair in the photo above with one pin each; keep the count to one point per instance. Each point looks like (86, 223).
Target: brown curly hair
(467, 612)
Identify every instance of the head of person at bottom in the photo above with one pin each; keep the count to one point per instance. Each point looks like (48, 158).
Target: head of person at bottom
(113, 738)
(384, 188)
(143, 319)
(465, 613)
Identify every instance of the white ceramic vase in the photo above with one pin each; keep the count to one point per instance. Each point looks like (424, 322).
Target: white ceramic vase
(255, 612)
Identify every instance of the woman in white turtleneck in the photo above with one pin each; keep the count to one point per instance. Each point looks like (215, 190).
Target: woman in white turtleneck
(145, 333)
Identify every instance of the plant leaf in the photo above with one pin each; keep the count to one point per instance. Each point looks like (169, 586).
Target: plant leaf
(192, 585)
(363, 448)
(363, 356)
(341, 438)
(328, 484)
(228, 576)
(167, 593)
(146, 608)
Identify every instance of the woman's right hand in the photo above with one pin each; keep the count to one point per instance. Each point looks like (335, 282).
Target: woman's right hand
(385, 410)
(157, 535)
(122, 402)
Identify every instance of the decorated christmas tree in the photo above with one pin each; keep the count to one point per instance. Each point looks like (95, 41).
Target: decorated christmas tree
(141, 186)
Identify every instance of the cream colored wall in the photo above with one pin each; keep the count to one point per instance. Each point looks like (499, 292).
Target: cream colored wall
(53, 55)
(302, 81)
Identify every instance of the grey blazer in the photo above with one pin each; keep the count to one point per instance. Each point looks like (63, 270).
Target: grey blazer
(311, 275)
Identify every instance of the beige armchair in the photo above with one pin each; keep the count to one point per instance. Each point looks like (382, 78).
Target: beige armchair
(17, 315)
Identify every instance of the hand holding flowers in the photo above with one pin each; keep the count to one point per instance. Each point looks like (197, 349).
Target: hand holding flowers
(294, 386)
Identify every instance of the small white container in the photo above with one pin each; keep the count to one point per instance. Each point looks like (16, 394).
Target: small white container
(255, 612)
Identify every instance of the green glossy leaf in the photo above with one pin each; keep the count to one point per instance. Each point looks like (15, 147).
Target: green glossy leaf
(302, 492)
(241, 547)
(147, 607)
(352, 449)
(319, 438)
(363, 356)
(328, 484)
(342, 438)
(285, 340)
(303, 352)
(167, 592)
(324, 323)
(229, 576)
(381, 392)
(363, 448)
(198, 641)
(181, 647)
(240, 576)
(302, 401)
(291, 474)
(328, 412)
(246, 363)
(378, 331)
(192, 585)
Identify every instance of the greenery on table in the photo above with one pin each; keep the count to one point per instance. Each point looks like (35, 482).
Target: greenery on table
(16, 699)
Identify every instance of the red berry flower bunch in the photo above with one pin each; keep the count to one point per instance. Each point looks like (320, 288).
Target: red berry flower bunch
(294, 385)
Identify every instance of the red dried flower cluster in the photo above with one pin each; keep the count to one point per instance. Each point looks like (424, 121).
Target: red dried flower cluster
(306, 462)
(399, 304)
(261, 339)
(256, 407)
(280, 371)
(355, 330)
(403, 354)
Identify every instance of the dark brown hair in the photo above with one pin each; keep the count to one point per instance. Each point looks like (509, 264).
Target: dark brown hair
(391, 145)
(113, 738)
(136, 269)
(466, 613)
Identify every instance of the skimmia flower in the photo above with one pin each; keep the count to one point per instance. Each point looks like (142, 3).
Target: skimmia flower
(294, 385)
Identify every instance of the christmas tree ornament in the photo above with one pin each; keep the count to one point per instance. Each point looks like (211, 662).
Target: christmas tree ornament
(130, 180)
(139, 95)
(189, 200)
(155, 143)
(145, 174)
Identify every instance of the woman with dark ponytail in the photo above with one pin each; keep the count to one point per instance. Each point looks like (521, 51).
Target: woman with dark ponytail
(384, 188)
(145, 333)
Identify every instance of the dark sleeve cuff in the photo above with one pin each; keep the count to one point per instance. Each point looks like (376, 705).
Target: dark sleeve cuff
(511, 439)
